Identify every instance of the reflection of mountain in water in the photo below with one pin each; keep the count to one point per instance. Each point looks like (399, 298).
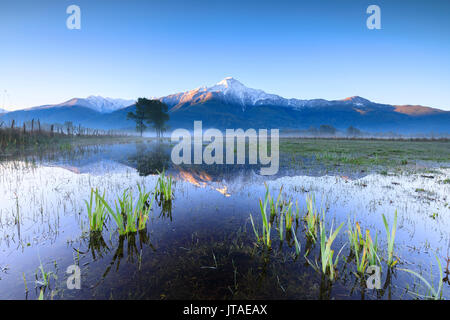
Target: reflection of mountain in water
(149, 158)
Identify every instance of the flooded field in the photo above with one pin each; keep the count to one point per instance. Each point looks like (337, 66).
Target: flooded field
(208, 241)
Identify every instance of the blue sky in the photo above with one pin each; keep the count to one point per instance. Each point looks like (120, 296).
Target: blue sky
(297, 49)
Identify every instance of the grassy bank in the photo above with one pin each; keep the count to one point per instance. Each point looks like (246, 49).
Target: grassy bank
(367, 151)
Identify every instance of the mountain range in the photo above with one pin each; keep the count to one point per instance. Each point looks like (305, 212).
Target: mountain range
(230, 104)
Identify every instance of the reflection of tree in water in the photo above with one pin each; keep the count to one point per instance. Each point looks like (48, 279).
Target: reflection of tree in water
(151, 159)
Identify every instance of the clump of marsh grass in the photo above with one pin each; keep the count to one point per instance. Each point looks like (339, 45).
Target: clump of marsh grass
(390, 240)
(326, 253)
(372, 249)
(357, 245)
(130, 217)
(282, 213)
(123, 206)
(289, 215)
(143, 208)
(97, 213)
(285, 223)
(266, 228)
(164, 187)
(275, 206)
(364, 250)
(164, 190)
(328, 261)
(311, 218)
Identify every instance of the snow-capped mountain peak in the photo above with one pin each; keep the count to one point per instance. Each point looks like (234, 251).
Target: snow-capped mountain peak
(106, 105)
(233, 91)
(229, 83)
(357, 100)
(96, 103)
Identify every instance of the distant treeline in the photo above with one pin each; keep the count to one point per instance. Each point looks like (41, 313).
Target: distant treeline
(351, 132)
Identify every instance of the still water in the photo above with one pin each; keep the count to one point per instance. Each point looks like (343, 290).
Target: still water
(203, 246)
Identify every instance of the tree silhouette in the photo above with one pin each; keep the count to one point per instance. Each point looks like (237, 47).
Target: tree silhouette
(157, 115)
(152, 112)
(140, 116)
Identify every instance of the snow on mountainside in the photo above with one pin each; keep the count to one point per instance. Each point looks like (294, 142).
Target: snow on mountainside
(233, 91)
(96, 103)
(229, 89)
(230, 104)
(3, 110)
(107, 105)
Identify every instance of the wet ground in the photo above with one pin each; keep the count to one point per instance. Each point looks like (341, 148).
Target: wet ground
(202, 246)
